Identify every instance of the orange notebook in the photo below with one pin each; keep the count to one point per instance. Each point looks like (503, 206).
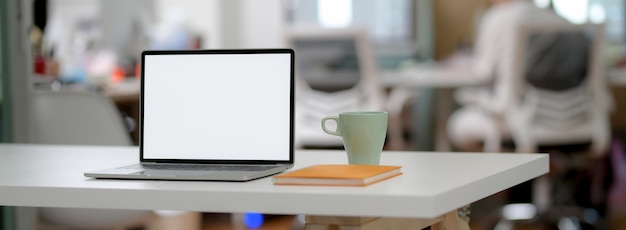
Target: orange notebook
(338, 175)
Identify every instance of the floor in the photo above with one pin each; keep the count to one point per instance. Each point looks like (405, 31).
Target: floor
(284, 222)
(219, 221)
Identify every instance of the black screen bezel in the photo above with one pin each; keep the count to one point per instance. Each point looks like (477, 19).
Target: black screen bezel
(291, 52)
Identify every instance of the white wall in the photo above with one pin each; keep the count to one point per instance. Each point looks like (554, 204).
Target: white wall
(221, 23)
(70, 10)
(62, 18)
(263, 23)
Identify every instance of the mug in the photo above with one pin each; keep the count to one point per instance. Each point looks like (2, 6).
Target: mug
(363, 135)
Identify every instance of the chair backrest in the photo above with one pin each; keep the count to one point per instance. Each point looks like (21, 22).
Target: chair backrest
(335, 61)
(557, 60)
(81, 118)
(336, 71)
(560, 91)
(77, 118)
(551, 53)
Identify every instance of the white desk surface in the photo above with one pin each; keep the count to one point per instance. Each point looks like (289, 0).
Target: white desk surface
(453, 76)
(432, 184)
(126, 90)
(430, 76)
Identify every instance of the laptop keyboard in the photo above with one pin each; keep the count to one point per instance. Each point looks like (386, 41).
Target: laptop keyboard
(199, 167)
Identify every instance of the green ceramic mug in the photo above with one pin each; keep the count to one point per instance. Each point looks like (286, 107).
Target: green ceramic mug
(363, 135)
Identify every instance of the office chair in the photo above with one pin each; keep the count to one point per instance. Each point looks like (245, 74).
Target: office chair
(83, 118)
(77, 118)
(564, 109)
(561, 100)
(80, 118)
(335, 72)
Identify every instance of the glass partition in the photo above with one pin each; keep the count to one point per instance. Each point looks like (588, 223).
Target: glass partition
(6, 213)
(4, 73)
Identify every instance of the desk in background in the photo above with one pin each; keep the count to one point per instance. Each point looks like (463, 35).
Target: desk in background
(617, 76)
(126, 96)
(444, 78)
(125, 91)
(434, 83)
(433, 187)
(617, 80)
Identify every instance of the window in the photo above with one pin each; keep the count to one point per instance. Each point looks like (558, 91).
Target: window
(389, 21)
(610, 12)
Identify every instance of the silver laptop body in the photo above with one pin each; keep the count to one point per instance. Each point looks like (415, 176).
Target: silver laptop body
(218, 115)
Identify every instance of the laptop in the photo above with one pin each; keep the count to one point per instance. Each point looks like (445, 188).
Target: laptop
(216, 115)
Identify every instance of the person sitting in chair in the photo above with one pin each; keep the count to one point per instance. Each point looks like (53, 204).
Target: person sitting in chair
(483, 108)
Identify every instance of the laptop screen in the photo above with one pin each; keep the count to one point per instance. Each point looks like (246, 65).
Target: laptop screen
(217, 105)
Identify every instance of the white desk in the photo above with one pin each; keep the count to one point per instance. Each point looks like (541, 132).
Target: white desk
(433, 184)
(423, 76)
(444, 76)
(127, 90)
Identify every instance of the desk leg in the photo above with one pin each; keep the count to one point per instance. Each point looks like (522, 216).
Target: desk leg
(422, 119)
(8, 217)
(434, 106)
(449, 221)
(444, 108)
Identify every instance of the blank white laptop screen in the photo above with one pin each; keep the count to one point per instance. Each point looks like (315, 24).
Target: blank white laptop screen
(217, 106)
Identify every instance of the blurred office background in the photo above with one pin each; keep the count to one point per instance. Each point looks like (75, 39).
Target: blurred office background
(95, 46)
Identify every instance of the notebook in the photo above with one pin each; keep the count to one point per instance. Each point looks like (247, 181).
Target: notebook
(223, 115)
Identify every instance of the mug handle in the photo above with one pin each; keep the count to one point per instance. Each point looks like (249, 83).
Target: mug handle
(336, 132)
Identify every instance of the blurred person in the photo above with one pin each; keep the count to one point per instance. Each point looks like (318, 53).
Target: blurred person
(483, 108)
(479, 124)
